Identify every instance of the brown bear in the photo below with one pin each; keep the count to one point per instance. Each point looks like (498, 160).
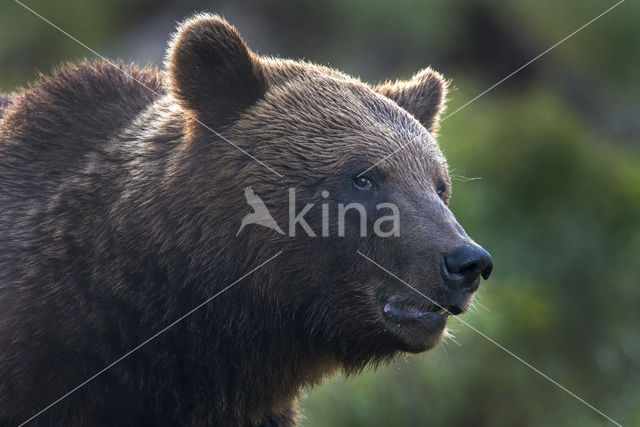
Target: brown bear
(130, 294)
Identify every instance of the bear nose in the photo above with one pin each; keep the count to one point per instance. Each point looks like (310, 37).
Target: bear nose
(463, 266)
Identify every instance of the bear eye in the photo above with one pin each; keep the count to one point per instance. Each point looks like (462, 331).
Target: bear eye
(363, 182)
(441, 189)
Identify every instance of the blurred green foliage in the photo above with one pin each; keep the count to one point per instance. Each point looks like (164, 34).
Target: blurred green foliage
(556, 148)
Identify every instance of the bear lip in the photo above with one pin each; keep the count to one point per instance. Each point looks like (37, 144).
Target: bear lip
(402, 310)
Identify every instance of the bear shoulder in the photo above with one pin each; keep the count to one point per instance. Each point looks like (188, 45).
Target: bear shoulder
(92, 99)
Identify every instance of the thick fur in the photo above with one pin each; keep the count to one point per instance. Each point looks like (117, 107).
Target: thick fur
(119, 212)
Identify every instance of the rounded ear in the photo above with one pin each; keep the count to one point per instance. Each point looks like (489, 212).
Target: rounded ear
(211, 70)
(423, 96)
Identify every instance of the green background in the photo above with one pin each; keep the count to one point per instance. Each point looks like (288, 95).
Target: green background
(547, 177)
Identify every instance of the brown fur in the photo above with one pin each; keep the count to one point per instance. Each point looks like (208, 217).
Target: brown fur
(119, 215)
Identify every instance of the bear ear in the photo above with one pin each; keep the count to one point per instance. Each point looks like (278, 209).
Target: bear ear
(423, 96)
(211, 70)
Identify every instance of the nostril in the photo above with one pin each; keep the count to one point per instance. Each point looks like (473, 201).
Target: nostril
(487, 271)
(466, 263)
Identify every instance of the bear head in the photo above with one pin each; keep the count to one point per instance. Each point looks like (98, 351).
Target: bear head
(377, 262)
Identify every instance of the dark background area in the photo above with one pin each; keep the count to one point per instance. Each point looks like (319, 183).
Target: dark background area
(547, 169)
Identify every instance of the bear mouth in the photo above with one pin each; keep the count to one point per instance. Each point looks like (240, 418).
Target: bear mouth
(398, 309)
(417, 323)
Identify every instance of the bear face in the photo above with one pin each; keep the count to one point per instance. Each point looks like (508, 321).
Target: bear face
(326, 134)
